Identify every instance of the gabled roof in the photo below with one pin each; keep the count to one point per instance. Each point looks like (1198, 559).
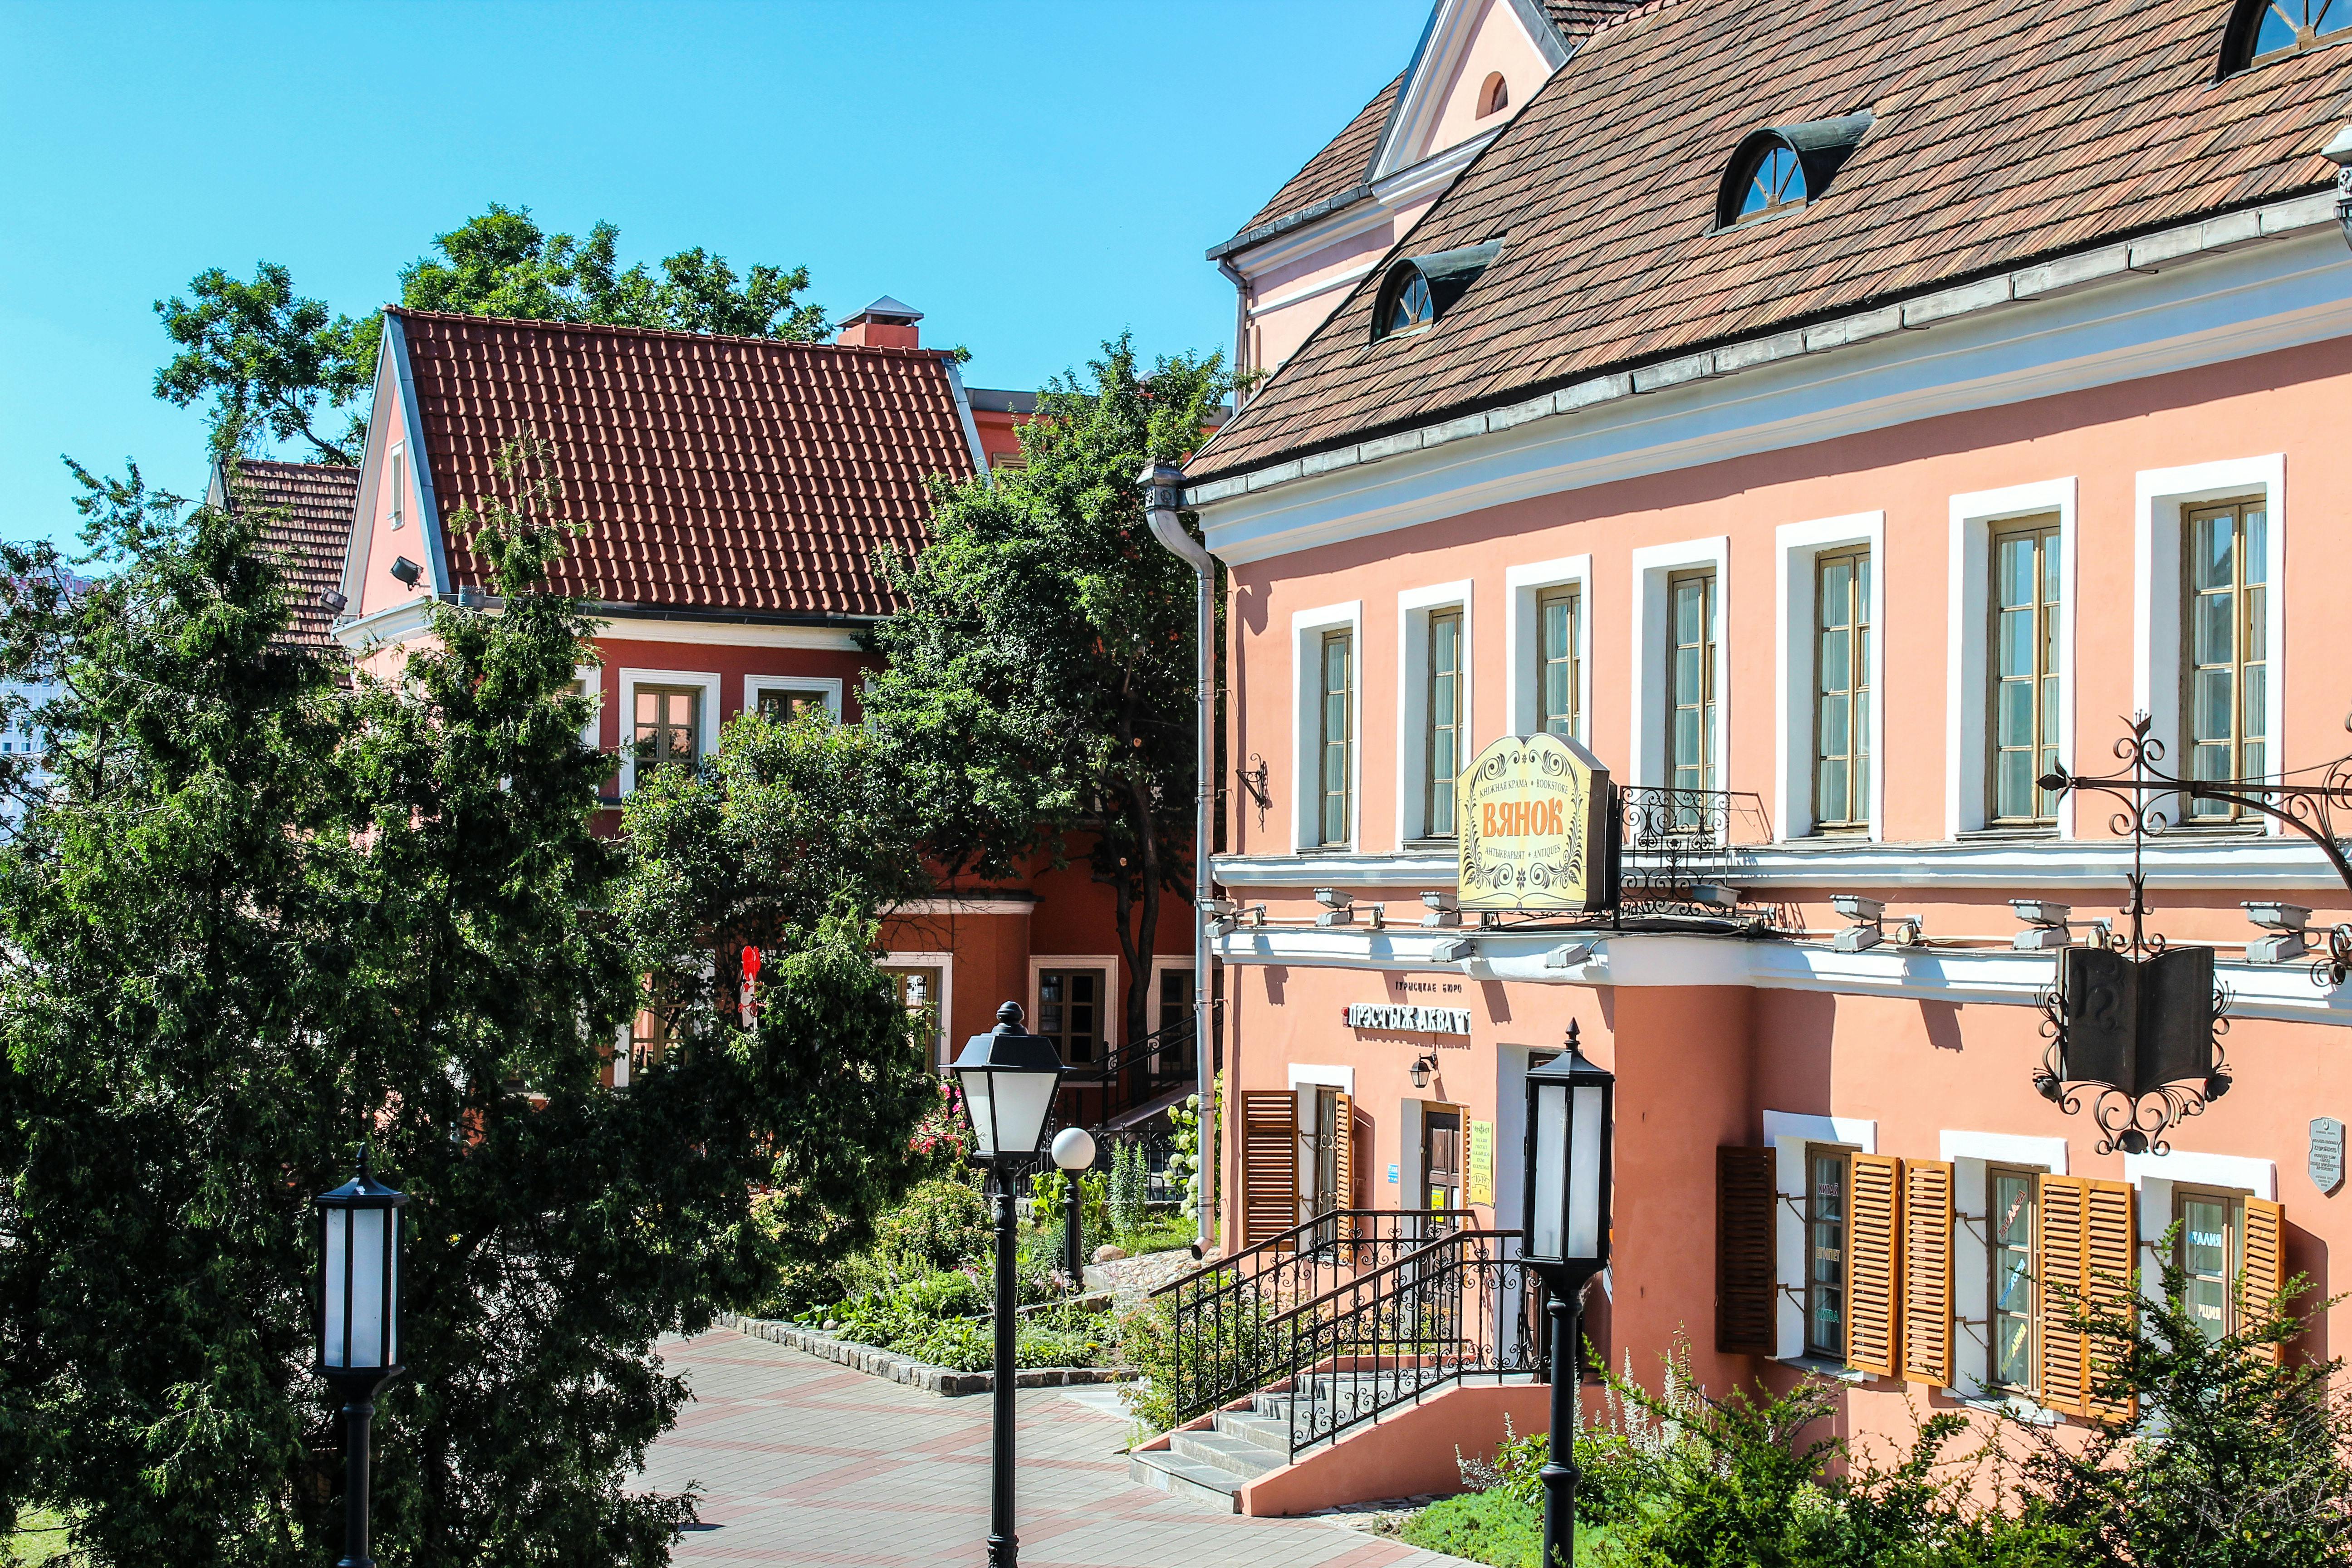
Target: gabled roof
(308, 531)
(2006, 134)
(737, 475)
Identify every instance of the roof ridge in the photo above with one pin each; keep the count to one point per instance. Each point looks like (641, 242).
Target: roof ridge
(667, 334)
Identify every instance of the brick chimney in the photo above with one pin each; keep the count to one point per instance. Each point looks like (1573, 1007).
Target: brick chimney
(884, 324)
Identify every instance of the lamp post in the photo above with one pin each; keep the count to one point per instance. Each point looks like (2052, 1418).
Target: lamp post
(1570, 1112)
(358, 1324)
(1074, 1151)
(1009, 1077)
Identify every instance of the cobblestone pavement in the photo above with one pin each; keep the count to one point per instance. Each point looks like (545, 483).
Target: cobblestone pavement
(804, 1464)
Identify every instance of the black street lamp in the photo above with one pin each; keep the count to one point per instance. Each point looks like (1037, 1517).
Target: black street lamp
(1571, 1108)
(1074, 1151)
(1009, 1077)
(358, 1324)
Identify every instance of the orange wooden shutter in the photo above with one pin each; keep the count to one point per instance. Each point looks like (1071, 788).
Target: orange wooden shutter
(2266, 1267)
(2058, 1245)
(1873, 1264)
(2110, 1246)
(1745, 1299)
(1927, 1272)
(1269, 1164)
(1343, 1178)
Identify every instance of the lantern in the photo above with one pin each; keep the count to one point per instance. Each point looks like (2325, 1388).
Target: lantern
(1570, 1110)
(1009, 1077)
(358, 1278)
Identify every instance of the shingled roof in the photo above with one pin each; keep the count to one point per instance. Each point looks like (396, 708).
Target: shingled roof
(723, 474)
(2006, 131)
(307, 528)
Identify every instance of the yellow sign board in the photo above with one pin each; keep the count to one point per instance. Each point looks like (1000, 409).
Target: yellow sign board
(1480, 1187)
(1534, 830)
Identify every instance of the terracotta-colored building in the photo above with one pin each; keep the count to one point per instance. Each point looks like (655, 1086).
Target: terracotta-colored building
(733, 491)
(1831, 418)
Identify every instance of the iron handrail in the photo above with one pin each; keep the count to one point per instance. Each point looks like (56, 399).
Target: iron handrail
(1324, 1221)
(1453, 1239)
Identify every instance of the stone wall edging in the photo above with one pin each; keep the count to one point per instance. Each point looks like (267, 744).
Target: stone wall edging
(942, 1381)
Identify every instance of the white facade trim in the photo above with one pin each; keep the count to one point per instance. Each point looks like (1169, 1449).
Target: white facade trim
(2242, 1173)
(1345, 279)
(1113, 1002)
(1387, 196)
(1414, 606)
(2003, 1149)
(1342, 1078)
(591, 679)
(632, 629)
(1653, 565)
(1968, 631)
(1797, 546)
(1787, 1132)
(827, 686)
(1307, 629)
(954, 906)
(1522, 640)
(625, 686)
(945, 963)
(2039, 332)
(2160, 500)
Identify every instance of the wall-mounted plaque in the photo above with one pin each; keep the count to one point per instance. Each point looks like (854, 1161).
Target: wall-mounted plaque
(2327, 1153)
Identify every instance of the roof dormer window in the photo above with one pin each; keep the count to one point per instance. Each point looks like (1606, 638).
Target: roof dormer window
(1420, 290)
(2267, 29)
(1783, 167)
(1496, 96)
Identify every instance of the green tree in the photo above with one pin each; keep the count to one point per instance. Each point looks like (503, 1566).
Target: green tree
(1038, 694)
(271, 364)
(268, 914)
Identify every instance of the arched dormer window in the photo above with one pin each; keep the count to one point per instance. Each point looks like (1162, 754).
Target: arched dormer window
(1419, 290)
(1783, 167)
(1494, 97)
(2268, 29)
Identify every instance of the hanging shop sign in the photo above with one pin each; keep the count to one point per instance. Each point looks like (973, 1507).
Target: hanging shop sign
(1404, 1019)
(2137, 1031)
(2327, 1153)
(1536, 827)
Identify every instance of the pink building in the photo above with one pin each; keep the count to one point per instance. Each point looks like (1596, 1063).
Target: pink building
(1833, 419)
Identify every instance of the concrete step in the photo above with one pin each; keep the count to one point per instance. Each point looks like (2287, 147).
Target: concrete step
(1237, 1457)
(1187, 1478)
(1269, 1432)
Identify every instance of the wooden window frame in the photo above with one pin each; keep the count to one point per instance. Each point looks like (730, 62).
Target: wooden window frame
(1570, 661)
(2048, 532)
(1106, 980)
(1844, 1153)
(638, 735)
(2246, 621)
(1857, 632)
(1709, 586)
(1438, 805)
(1993, 1249)
(1330, 802)
(2233, 1246)
(816, 697)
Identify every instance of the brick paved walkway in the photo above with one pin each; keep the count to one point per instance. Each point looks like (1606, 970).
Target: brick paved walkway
(804, 1464)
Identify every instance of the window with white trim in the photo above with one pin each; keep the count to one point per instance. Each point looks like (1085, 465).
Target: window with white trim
(2025, 665)
(2224, 671)
(1441, 750)
(1842, 739)
(1559, 625)
(1690, 681)
(1335, 736)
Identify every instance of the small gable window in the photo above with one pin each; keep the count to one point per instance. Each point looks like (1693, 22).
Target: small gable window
(1496, 96)
(1783, 167)
(2265, 29)
(1419, 290)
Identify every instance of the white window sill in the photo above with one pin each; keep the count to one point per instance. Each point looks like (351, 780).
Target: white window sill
(2017, 1407)
(1823, 1367)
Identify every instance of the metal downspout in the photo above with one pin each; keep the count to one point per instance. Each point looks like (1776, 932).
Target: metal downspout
(1163, 489)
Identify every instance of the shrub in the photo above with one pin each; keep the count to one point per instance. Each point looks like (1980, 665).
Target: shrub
(1129, 1174)
(943, 1224)
(1167, 1392)
(1485, 1526)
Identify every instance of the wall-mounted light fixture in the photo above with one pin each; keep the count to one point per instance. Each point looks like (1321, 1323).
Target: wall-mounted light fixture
(1422, 1065)
(2046, 922)
(1568, 955)
(1339, 906)
(407, 571)
(1442, 912)
(1715, 896)
(1458, 950)
(1866, 930)
(2288, 940)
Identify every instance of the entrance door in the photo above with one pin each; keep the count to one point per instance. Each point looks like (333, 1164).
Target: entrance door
(1440, 1158)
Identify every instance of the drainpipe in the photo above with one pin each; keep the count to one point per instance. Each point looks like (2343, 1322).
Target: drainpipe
(1241, 325)
(1162, 486)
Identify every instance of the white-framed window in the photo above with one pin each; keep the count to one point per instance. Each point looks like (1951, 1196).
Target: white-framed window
(1547, 634)
(785, 697)
(1076, 1002)
(1831, 699)
(587, 680)
(926, 985)
(2209, 634)
(395, 486)
(2218, 1186)
(2009, 700)
(1681, 702)
(1327, 726)
(1434, 734)
(1796, 1138)
(1996, 1194)
(666, 711)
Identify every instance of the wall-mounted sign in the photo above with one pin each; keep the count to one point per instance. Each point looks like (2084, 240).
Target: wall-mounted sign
(1403, 1017)
(1480, 1186)
(1534, 832)
(2327, 1153)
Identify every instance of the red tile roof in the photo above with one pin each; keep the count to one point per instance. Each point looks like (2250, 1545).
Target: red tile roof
(308, 531)
(2006, 131)
(728, 474)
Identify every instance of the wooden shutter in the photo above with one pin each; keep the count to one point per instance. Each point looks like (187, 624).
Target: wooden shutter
(1873, 1264)
(2058, 1244)
(2110, 1246)
(1927, 1272)
(1745, 1320)
(1269, 1164)
(1343, 1163)
(2265, 1267)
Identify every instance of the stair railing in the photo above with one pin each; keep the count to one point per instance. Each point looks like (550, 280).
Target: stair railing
(1129, 1075)
(1222, 1318)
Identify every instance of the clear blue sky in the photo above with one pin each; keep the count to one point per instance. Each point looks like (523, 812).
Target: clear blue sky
(1033, 176)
